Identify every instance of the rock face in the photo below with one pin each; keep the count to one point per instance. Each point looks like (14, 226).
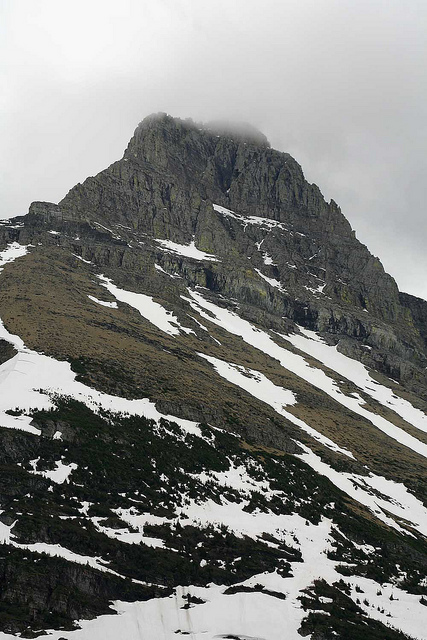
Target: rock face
(418, 309)
(165, 185)
(206, 379)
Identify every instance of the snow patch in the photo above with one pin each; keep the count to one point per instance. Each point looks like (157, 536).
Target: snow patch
(268, 260)
(59, 475)
(13, 251)
(267, 223)
(127, 536)
(80, 258)
(226, 212)
(111, 305)
(316, 290)
(271, 281)
(187, 250)
(161, 270)
(150, 310)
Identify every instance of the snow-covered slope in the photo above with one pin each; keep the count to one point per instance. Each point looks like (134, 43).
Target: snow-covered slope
(192, 442)
(239, 497)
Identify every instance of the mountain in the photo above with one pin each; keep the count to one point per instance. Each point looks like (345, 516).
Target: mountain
(213, 407)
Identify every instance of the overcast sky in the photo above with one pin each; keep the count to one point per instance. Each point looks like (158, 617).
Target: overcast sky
(339, 84)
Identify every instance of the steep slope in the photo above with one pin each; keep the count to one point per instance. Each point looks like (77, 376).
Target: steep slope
(212, 406)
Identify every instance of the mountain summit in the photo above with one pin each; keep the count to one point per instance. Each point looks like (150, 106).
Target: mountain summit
(212, 406)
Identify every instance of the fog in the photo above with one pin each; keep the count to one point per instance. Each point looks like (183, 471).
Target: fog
(339, 84)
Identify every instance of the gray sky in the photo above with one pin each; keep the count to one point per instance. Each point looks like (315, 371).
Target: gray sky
(339, 84)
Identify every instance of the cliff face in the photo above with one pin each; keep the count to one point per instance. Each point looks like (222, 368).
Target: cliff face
(206, 379)
(418, 309)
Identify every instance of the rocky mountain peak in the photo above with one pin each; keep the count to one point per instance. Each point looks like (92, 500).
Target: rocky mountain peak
(232, 165)
(213, 406)
(175, 179)
(239, 132)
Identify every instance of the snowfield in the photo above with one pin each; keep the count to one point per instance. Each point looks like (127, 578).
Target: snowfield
(253, 615)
